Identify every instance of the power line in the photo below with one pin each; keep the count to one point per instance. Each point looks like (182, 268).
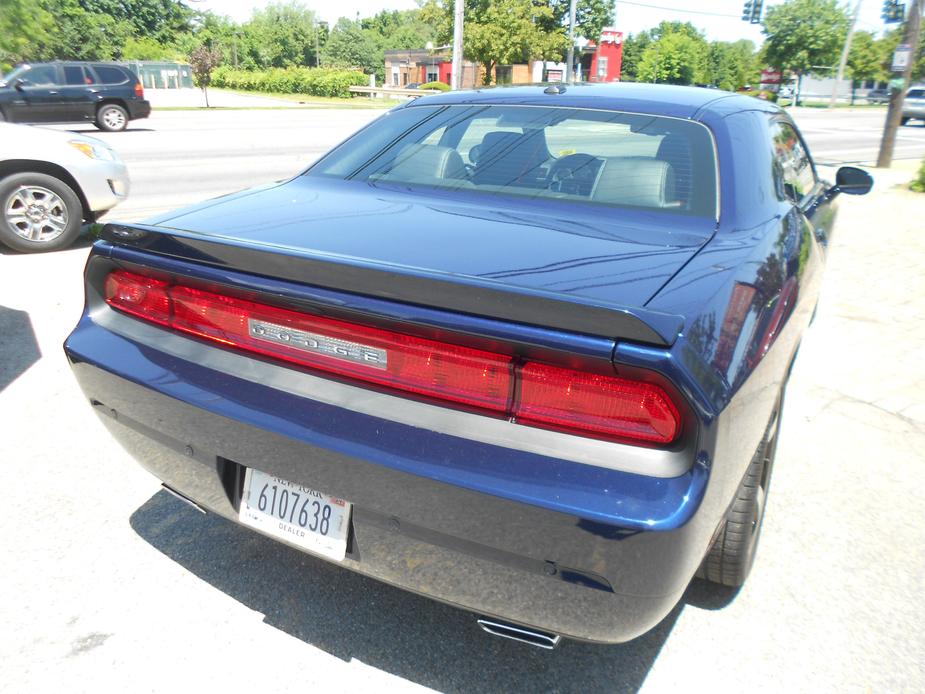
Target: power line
(675, 9)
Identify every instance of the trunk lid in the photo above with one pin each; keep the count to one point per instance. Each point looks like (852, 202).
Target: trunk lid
(569, 267)
(606, 254)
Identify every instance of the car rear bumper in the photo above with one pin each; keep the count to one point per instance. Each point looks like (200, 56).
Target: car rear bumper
(139, 108)
(547, 563)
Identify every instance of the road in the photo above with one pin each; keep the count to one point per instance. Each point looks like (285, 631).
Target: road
(109, 584)
(177, 158)
(852, 136)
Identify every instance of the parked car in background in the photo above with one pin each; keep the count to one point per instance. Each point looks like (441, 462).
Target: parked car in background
(914, 104)
(51, 182)
(521, 350)
(106, 94)
(878, 96)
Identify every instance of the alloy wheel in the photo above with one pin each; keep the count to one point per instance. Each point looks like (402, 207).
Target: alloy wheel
(36, 213)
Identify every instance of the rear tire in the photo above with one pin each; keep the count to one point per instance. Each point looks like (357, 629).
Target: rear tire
(111, 118)
(730, 558)
(38, 213)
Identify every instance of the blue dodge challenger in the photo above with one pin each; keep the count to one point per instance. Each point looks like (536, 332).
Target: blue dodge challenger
(520, 350)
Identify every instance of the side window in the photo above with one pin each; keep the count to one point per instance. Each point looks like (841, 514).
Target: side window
(41, 76)
(75, 75)
(792, 167)
(109, 74)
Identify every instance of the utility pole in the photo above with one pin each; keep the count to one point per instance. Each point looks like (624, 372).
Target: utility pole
(456, 69)
(570, 61)
(898, 96)
(844, 55)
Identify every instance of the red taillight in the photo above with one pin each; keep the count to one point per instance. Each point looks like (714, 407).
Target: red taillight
(547, 396)
(400, 361)
(595, 403)
(139, 90)
(412, 364)
(144, 297)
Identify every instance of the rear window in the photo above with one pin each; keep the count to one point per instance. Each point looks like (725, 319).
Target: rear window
(916, 93)
(588, 157)
(110, 75)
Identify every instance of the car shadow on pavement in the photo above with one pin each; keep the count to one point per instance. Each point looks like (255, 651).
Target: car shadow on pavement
(354, 617)
(19, 348)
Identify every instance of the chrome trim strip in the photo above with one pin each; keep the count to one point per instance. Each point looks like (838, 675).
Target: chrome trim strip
(497, 432)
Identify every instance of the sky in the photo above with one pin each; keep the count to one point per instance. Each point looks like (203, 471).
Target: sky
(720, 19)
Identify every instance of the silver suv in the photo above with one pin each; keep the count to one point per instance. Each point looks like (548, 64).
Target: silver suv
(914, 105)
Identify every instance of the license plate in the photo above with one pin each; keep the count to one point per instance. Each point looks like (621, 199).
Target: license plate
(306, 518)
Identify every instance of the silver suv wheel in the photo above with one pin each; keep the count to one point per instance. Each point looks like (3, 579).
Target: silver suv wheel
(36, 213)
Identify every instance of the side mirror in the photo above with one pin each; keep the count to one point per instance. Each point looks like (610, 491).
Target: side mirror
(18, 84)
(852, 181)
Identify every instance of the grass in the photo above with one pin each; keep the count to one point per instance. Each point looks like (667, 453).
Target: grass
(359, 102)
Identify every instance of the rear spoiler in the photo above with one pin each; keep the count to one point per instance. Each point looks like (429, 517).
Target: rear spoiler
(457, 293)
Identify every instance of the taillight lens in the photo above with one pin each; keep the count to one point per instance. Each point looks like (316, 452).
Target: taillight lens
(412, 364)
(139, 90)
(595, 403)
(144, 297)
(547, 396)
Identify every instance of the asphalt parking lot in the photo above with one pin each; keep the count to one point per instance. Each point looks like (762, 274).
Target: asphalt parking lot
(109, 584)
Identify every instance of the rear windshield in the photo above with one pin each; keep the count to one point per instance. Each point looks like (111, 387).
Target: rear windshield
(588, 157)
(916, 93)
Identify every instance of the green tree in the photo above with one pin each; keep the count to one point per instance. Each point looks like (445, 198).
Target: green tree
(348, 46)
(24, 26)
(501, 32)
(504, 32)
(161, 20)
(591, 16)
(732, 65)
(82, 35)
(675, 58)
(634, 47)
(803, 35)
(148, 49)
(280, 35)
(394, 29)
(865, 60)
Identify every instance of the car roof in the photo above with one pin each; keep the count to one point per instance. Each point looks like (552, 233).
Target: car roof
(661, 99)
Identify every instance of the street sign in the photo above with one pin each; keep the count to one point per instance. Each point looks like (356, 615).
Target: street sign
(901, 57)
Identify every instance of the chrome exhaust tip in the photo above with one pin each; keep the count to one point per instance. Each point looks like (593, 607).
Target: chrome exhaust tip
(531, 637)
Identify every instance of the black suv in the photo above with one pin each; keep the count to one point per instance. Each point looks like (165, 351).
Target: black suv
(107, 94)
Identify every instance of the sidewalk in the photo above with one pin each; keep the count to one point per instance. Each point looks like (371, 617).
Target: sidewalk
(193, 98)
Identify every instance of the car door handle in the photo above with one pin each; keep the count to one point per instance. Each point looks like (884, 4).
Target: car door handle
(52, 91)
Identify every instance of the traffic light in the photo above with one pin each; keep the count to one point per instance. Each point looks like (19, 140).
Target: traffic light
(893, 11)
(751, 11)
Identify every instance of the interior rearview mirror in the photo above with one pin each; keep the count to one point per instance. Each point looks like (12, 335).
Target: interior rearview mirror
(853, 181)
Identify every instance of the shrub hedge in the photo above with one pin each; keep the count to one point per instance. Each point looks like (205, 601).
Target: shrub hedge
(762, 94)
(291, 80)
(441, 86)
(918, 185)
